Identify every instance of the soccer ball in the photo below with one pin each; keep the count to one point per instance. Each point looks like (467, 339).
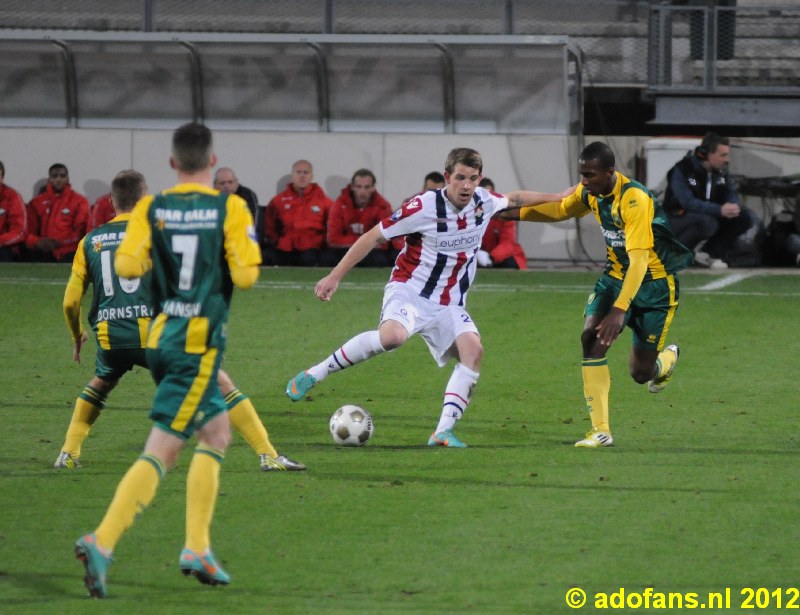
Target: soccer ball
(351, 426)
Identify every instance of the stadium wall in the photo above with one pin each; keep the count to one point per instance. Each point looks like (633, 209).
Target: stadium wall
(262, 161)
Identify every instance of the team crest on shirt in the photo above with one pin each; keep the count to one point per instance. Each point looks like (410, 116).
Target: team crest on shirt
(97, 245)
(408, 208)
(65, 211)
(315, 209)
(160, 224)
(479, 213)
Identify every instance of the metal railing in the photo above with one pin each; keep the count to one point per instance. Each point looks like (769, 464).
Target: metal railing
(158, 60)
(724, 49)
(613, 34)
(444, 84)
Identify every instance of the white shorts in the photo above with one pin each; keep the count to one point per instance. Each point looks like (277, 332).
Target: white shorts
(439, 325)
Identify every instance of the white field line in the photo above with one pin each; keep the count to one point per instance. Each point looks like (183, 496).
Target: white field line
(714, 287)
(726, 281)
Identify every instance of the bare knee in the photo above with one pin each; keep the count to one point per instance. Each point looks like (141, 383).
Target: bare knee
(104, 386)
(219, 439)
(470, 350)
(224, 382)
(392, 335)
(216, 433)
(589, 343)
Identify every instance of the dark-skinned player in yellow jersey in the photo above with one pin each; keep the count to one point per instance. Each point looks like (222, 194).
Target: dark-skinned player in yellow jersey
(638, 287)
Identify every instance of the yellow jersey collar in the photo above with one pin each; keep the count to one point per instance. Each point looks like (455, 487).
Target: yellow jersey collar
(191, 187)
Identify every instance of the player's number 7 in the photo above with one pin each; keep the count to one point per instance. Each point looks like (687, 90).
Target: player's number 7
(186, 246)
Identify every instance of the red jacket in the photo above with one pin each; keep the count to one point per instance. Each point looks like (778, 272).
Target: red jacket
(102, 211)
(500, 241)
(58, 216)
(346, 222)
(13, 217)
(294, 222)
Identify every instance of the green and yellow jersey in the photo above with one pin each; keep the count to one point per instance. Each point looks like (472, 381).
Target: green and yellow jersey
(121, 308)
(181, 234)
(630, 219)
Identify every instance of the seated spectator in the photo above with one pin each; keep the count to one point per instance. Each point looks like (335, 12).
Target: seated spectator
(13, 219)
(782, 239)
(358, 208)
(225, 180)
(499, 247)
(433, 181)
(57, 219)
(101, 212)
(704, 210)
(296, 220)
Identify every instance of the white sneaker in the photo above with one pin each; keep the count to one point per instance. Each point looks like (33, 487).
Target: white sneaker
(704, 259)
(596, 439)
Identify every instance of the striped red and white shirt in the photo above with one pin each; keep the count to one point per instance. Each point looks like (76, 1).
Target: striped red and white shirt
(438, 260)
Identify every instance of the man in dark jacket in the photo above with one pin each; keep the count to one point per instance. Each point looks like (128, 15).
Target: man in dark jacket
(225, 180)
(703, 207)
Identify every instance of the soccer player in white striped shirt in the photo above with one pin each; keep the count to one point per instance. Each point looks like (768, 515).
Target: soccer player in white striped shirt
(428, 287)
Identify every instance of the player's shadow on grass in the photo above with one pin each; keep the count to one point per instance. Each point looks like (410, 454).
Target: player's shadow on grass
(46, 587)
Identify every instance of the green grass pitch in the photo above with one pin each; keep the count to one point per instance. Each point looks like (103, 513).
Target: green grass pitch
(698, 495)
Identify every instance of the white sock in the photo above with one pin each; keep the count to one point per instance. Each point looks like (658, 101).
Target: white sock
(456, 396)
(360, 348)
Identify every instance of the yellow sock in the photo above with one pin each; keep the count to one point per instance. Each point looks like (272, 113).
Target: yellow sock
(596, 385)
(134, 493)
(244, 419)
(666, 359)
(202, 486)
(87, 408)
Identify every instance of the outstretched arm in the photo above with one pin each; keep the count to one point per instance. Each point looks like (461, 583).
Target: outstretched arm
(544, 206)
(363, 246)
(525, 198)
